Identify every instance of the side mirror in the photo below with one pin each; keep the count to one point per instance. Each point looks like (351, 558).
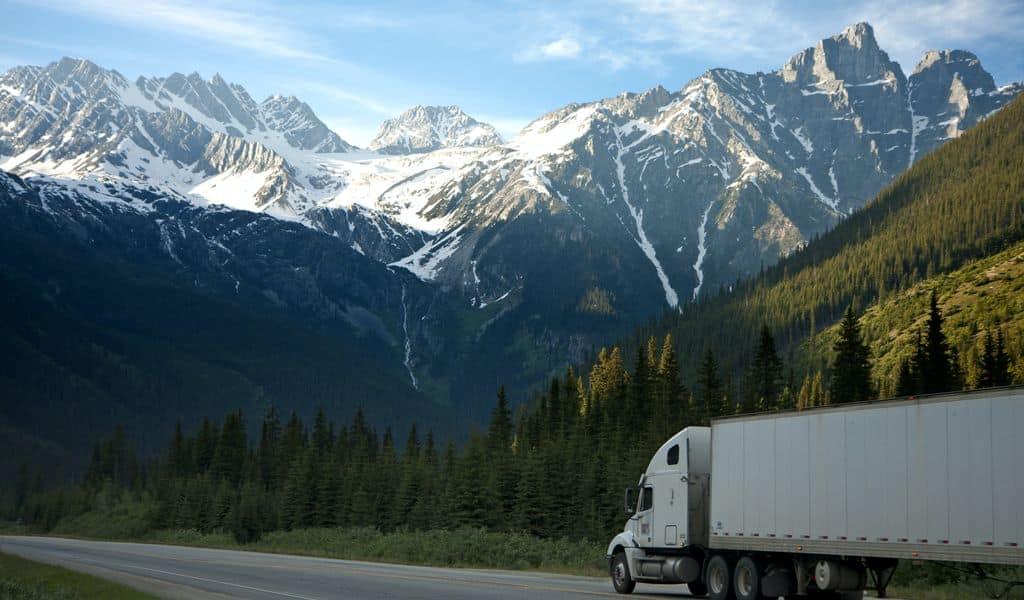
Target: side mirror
(630, 503)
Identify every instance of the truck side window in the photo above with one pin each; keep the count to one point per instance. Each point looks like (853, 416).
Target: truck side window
(647, 499)
(673, 455)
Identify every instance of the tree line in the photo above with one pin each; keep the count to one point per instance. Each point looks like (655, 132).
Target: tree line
(554, 468)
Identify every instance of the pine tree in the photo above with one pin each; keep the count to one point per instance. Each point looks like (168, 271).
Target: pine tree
(1001, 362)
(323, 436)
(851, 368)
(672, 390)
(906, 380)
(230, 453)
(994, 362)
(765, 377)
(937, 372)
(385, 480)
(248, 523)
(499, 449)
(178, 460)
(269, 452)
(206, 445)
(410, 484)
(710, 385)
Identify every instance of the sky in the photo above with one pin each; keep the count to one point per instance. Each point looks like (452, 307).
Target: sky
(505, 63)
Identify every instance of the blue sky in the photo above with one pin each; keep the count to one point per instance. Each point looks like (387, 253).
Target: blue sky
(357, 63)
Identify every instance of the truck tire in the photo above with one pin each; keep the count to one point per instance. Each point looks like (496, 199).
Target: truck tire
(746, 579)
(622, 581)
(718, 578)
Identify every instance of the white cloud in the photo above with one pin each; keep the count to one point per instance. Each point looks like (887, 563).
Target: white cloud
(340, 94)
(912, 28)
(754, 34)
(228, 23)
(566, 47)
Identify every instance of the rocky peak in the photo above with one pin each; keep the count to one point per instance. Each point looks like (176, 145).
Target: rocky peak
(943, 66)
(300, 125)
(426, 128)
(852, 57)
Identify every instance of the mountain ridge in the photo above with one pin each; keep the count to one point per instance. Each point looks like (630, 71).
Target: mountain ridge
(476, 266)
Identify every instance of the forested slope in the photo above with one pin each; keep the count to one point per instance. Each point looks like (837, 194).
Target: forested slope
(963, 202)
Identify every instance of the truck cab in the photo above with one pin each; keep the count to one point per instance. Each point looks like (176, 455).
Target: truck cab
(665, 538)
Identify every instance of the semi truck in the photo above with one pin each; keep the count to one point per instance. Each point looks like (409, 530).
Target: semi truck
(824, 502)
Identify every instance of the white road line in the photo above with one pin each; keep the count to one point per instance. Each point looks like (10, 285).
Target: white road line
(227, 583)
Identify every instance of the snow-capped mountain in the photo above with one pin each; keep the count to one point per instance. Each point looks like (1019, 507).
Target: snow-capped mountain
(427, 128)
(205, 138)
(710, 182)
(593, 218)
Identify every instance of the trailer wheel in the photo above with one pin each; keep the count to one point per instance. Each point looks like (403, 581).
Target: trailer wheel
(719, 578)
(621, 579)
(747, 579)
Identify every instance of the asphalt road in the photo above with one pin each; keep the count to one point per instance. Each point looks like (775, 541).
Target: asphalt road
(183, 572)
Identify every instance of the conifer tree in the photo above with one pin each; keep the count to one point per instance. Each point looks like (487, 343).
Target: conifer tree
(499, 448)
(1001, 362)
(851, 368)
(709, 384)
(269, 452)
(765, 377)
(206, 445)
(230, 453)
(178, 460)
(672, 389)
(937, 371)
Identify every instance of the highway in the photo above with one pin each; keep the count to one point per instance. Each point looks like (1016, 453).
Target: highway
(198, 573)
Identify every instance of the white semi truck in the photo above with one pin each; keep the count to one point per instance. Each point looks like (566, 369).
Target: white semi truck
(824, 502)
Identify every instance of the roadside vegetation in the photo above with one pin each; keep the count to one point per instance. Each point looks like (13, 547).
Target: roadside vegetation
(22, 579)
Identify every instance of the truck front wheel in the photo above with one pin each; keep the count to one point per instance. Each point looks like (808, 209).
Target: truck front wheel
(621, 578)
(719, 578)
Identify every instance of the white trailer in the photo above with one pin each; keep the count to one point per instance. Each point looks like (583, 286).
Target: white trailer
(824, 502)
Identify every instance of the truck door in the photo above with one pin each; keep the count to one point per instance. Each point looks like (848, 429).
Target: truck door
(670, 500)
(645, 517)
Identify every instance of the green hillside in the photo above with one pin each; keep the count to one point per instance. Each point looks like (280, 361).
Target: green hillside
(985, 296)
(959, 204)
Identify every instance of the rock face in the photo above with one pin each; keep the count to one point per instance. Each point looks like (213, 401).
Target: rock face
(949, 93)
(595, 217)
(426, 128)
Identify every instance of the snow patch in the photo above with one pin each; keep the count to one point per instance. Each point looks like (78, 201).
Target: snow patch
(408, 342)
(830, 202)
(702, 250)
(798, 133)
(425, 262)
(233, 189)
(671, 297)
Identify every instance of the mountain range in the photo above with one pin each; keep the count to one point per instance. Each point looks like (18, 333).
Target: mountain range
(456, 260)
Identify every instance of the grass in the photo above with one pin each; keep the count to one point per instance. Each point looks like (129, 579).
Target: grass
(124, 521)
(949, 591)
(22, 579)
(465, 547)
